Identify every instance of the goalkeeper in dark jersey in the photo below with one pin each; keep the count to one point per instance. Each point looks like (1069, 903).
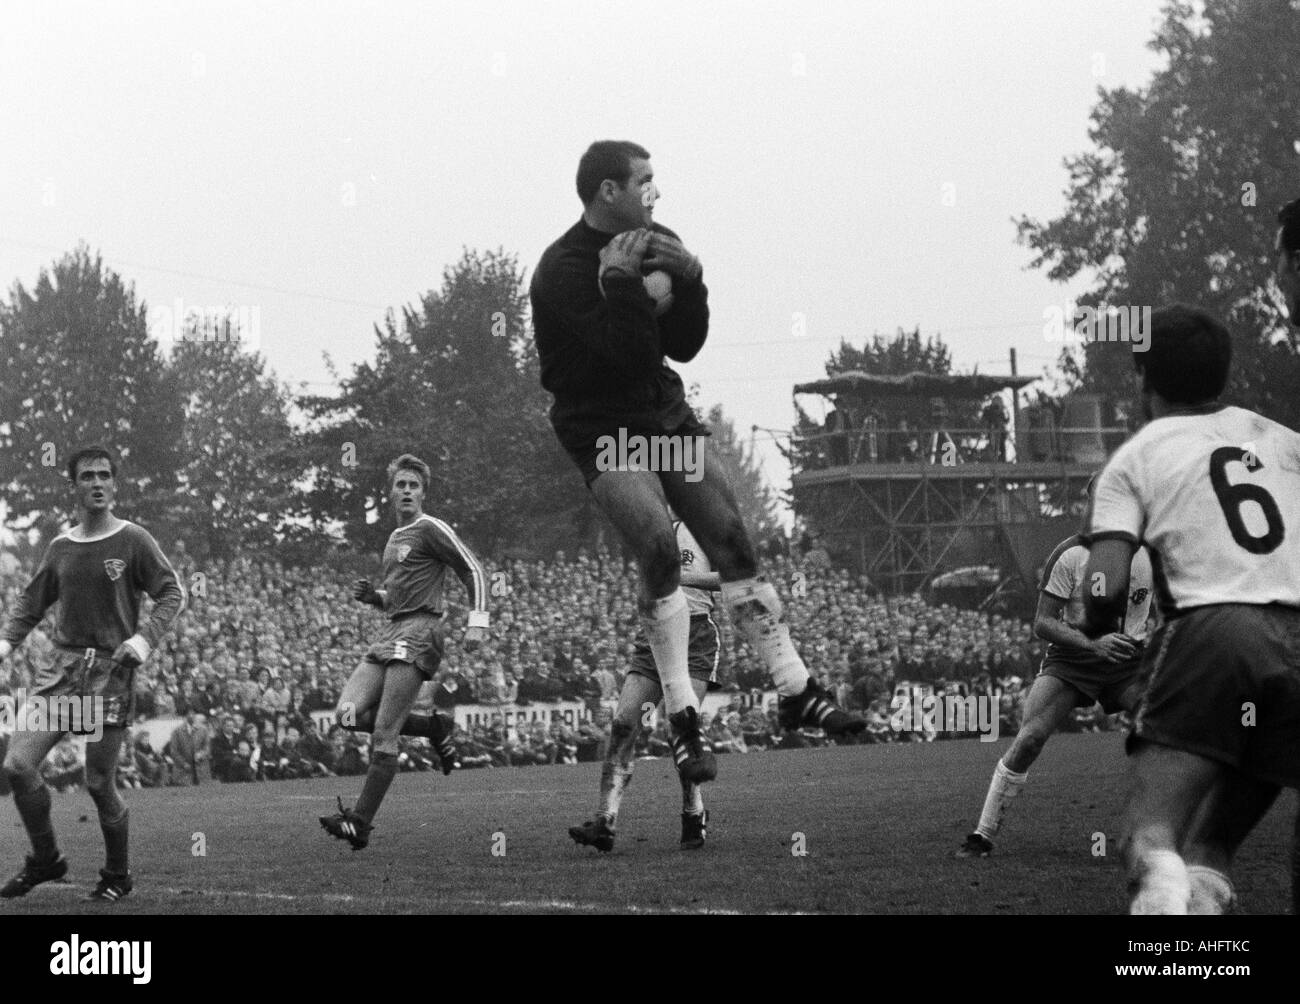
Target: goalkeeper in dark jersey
(603, 329)
(382, 689)
(96, 572)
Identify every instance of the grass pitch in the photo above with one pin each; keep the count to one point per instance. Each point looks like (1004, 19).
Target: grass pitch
(879, 825)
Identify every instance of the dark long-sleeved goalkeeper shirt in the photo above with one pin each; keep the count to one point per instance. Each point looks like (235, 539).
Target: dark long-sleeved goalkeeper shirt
(603, 356)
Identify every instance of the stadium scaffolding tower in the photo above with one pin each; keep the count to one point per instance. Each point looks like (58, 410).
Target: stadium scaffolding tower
(907, 504)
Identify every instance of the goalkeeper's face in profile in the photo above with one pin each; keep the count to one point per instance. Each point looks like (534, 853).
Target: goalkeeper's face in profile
(95, 485)
(407, 494)
(631, 206)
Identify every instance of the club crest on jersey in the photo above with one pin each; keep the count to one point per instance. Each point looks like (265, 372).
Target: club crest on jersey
(1138, 596)
(114, 567)
(688, 556)
(402, 551)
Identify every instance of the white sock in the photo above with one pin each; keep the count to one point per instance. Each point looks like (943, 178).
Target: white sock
(756, 612)
(1165, 886)
(1211, 891)
(615, 778)
(1005, 786)
(668, 630)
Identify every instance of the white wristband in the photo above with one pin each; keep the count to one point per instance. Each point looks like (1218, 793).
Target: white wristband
(139, 646)
(478, 618)
(5, 648)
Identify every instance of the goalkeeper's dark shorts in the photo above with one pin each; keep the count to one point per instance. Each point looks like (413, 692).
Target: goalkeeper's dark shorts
(593, 444)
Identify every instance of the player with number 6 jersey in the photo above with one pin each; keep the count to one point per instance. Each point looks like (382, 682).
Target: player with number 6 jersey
(1213, 492)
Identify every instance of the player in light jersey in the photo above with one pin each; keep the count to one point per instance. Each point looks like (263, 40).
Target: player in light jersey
(382, 689)
(96, 573)
(1213, 492)
(1077, 671)
(640, 696)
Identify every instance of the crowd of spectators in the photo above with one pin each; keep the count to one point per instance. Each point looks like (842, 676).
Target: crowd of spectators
(264, 645)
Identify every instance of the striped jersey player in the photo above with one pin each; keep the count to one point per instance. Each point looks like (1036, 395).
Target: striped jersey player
(1077, 671)
(379, 695)
(96, 573)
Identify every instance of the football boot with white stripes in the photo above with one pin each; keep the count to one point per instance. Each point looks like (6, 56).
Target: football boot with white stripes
(815, 709)
(347, 825)
(694, 759)
(112, 887)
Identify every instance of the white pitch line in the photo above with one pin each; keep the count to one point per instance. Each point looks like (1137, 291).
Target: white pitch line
(74, 887)
(559, 904)
(508, 904)
(329, 897)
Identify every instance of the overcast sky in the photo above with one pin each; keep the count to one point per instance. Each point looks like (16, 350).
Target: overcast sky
(854, 163)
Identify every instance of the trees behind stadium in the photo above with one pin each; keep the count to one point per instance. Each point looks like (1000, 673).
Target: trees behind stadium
(1179, 196)
(218, 453)
(455, 380)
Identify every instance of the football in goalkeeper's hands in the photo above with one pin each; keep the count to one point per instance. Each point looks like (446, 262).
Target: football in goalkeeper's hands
(659, 284)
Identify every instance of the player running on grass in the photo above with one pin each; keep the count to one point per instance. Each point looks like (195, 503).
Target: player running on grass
(641, 693)
(1077, 671)
(1213, 492)
(96, 572)
(602, 348)
(382, 689)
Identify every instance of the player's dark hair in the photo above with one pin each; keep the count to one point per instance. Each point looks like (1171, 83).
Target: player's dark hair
(1289, 219)
(90, 453)
(1188, 355)
(607, 158)
(410, 462)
